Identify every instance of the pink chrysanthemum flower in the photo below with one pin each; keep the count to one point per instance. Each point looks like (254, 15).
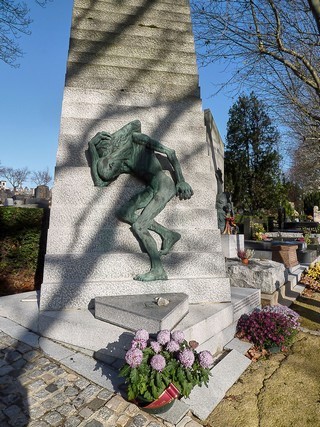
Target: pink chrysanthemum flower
(205, 359)
(186, 358)
(172, 346)
(139, 344)
(158, 362)
(134, 357)
(163, 336)
(178, 336)
(156, 347)
(142, 335)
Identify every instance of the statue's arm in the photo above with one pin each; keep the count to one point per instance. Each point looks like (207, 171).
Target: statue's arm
(184, 190)
(93, 143)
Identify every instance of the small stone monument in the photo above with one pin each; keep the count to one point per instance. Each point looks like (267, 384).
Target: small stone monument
(42, 192)
(9, 201)
(316, 214)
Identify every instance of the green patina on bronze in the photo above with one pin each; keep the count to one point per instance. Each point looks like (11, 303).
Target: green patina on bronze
(224, 204)
(130, 151)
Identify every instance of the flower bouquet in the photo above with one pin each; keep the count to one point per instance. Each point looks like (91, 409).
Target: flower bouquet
(271, 327)
(153, 365)
(257, 231)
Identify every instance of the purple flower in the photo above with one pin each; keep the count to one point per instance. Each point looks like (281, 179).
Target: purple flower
(186, 358)
(163, 336)
(172, 346)
(156, 347)
(138, 344)
(158, 362)
(142, 335)
(134, 357)
(270, 326)
(178, 336)
(205, 359)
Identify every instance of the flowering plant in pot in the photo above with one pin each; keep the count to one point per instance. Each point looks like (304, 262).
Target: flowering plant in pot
(269, 328)
(153, 365)
(245, 255)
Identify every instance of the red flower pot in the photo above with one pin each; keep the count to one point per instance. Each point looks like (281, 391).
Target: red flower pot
(164, 402)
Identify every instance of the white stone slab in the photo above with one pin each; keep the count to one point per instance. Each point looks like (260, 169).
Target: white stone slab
(79, 295)
(203, 400)
(16, 308)
(55, 350)
(93, 370)
(236, 344)
(231, 244)
(206, 320)
(19, 332)
(111, 267)
(135, 312)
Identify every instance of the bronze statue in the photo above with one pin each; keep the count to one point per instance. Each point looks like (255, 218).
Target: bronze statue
(224, 208)
(130, 151)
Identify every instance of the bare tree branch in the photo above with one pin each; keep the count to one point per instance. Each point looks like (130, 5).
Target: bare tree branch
(14, 21)
(16, 177)
(41, 177)
(270, 45)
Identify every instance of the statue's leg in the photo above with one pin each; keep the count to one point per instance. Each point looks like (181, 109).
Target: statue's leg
(127, 213)
(165, 190)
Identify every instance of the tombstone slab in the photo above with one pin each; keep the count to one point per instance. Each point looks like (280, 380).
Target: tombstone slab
(142, 311)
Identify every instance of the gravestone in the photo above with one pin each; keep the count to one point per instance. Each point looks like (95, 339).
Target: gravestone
(9, 201)
(42, 192)
(130, 60)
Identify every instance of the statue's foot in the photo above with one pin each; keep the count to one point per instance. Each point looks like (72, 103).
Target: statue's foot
(153, 274)
(168, 242)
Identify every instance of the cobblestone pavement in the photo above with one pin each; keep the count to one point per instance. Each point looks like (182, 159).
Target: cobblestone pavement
(37, 391)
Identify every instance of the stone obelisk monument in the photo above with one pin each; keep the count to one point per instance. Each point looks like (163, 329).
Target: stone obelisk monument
(129, 60)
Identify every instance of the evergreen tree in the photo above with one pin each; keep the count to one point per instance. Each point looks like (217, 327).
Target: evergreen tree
(252, 161)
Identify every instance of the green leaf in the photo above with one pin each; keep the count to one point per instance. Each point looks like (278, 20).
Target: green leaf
(159, 381)
(124, 371)
(131, 394)
(134, 377)
(154, 389)
(148, 396)
(189, 375)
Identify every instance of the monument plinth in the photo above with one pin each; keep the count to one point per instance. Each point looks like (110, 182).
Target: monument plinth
(127, 61)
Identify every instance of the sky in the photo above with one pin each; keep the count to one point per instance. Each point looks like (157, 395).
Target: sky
(31, 95)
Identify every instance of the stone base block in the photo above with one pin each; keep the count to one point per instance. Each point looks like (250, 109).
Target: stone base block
(135, 312)
(259, 274)
(231, 244)
(57, 296)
